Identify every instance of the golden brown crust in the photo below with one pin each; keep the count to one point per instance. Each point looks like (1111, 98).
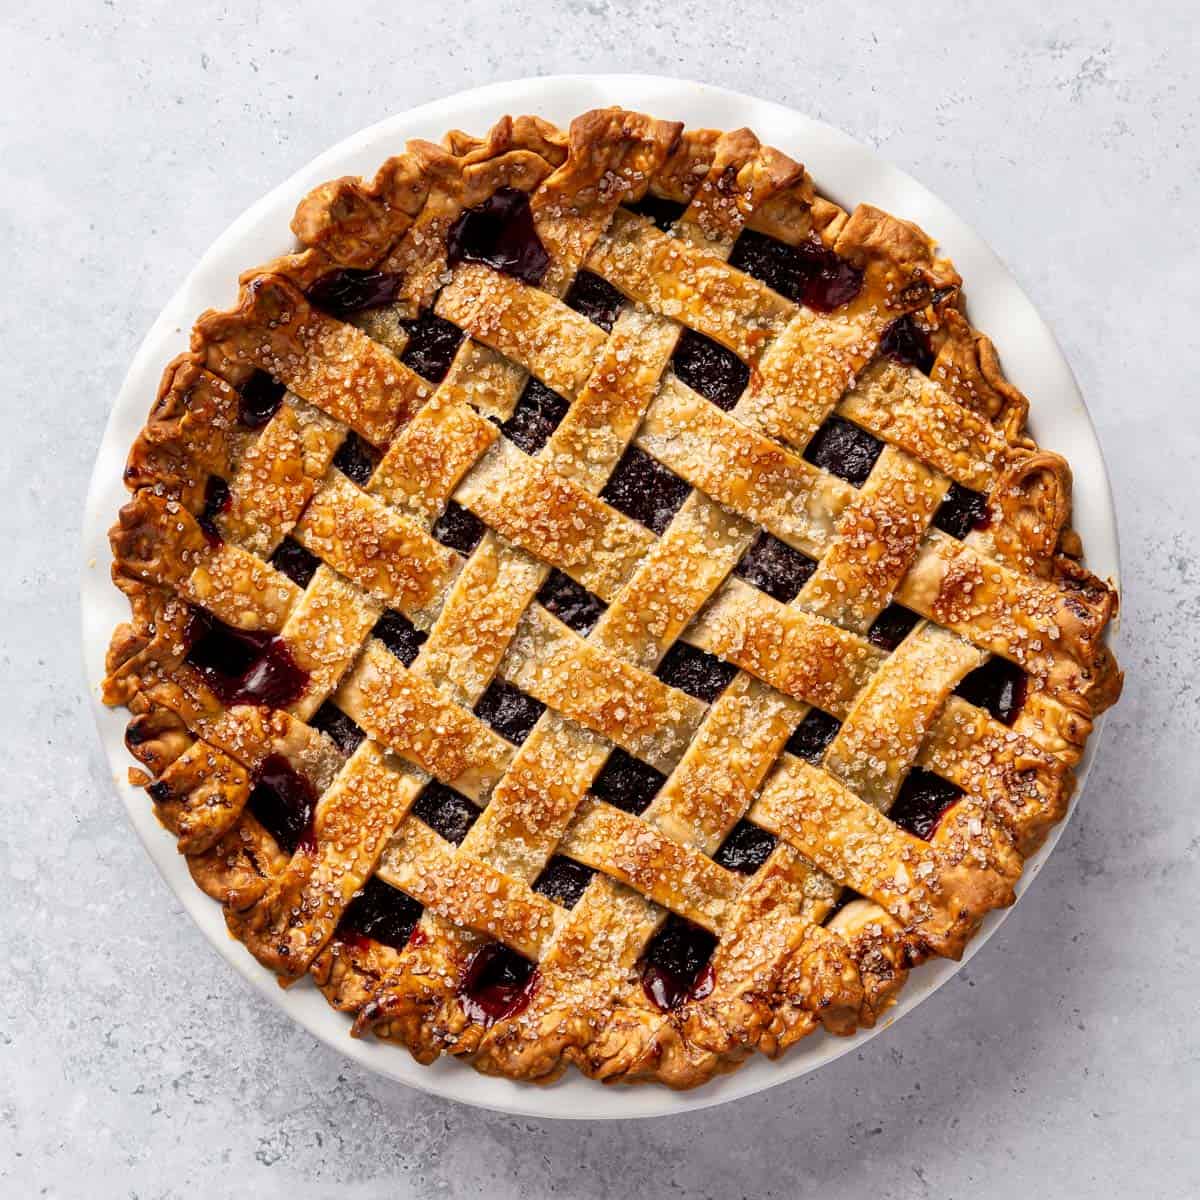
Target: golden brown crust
(200, 796)
(355, 223)
(187, 435)
(783, 965)
(968, 368)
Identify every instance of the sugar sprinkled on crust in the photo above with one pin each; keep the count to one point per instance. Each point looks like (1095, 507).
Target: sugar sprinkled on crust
(787, 959)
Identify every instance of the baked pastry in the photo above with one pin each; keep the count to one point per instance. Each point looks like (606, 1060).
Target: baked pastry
(597, 602)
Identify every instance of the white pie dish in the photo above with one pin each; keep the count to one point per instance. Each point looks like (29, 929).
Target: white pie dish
(844, 170)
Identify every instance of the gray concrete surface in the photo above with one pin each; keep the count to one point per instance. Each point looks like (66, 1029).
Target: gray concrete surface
(1062, 1062)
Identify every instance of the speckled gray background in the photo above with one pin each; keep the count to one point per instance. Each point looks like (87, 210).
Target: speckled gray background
(1062, 1062)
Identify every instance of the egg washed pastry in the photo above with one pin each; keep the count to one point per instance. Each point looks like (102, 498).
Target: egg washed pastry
(597, 603)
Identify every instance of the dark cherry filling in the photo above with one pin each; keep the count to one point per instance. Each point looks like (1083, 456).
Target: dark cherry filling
(295, 562)
(159, 791)
(244, 667)
(961, 511)
(570, 602)
(844, 449)
(675, 965)
(356, 459)
(138, 732)
(767, 259)
(833, 281)
(459, 528)
(379, 913)
(809, 273)
(348, 290)
(259, 400)
(500, 232)
(432, 345)
(216, 501)
(284, 802)
(922, 801)
(998, 686)
(445, 811)
(906, 342)
(595, 298)
(345, 732)
(536, 417)
(708, 368)
(399, 635)
(892, 626)
(746, 848)
(642, 488)
(695, 671)
(497, 983)
(509, 711)
(775, 568)
(627, 783)
(664, 213)
(810, 739)
(564, 881)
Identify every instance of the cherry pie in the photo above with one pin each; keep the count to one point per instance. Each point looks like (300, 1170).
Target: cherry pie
(597, 602)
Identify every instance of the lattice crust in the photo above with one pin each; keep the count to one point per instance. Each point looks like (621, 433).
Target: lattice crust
(404, 540)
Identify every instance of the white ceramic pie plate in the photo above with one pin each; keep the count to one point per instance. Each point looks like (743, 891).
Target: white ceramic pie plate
(845, 171)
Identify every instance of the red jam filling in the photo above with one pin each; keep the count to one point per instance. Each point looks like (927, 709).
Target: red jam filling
(356, 459)
(399, 635)
(596, 299)
(844, 449)
(775, 567)
(458, 528)
(432, 345)
(500, 233)
(642, 488)
(695, 671)
(497, 983)
(627, 783)
(564, 881)
(906, 342)
(344, 731)
(298, 564)
(243, 666)
(810, 739)
(923, 800)
(284, 802)
(445, 811)
(349, 290)
(676, 966)
(216, 501)
(570, 602)
(379, 913)
(708, 368)
(259, 400)
(810, 273)
(746, 848)
(998, 686)
(536, 417)
(892, 626)
(962, 511)
(509, 711)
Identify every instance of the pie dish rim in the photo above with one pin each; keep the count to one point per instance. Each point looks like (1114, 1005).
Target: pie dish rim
(841, 166)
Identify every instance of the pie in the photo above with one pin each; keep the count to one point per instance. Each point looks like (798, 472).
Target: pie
(597, 602)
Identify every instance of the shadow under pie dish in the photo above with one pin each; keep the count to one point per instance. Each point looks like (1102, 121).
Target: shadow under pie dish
(597, 603)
